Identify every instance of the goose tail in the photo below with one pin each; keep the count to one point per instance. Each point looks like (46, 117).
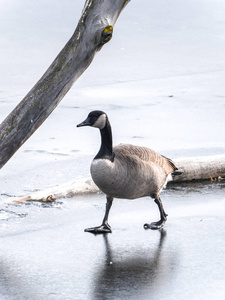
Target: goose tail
(172, 175)
(176, 173)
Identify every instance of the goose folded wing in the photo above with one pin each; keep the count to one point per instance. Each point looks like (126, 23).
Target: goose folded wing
(145, 154)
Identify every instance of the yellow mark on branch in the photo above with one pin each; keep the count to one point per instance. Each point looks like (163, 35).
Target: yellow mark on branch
(107, 34)
(108, 29)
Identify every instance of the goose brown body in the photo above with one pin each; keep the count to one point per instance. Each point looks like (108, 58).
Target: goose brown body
(135, 172)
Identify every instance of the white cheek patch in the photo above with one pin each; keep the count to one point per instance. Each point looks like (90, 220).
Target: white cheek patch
(100, 123)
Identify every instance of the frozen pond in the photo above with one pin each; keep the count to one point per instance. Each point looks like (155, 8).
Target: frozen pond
(45, 253)
(161, 81)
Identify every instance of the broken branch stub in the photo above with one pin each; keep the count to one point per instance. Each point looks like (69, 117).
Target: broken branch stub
(94, 29)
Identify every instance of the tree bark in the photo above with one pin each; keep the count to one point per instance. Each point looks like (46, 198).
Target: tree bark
(94, 29)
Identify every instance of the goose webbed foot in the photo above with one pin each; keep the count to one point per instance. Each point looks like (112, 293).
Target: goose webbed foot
(155, 225)
(104, 228)
(163, 217)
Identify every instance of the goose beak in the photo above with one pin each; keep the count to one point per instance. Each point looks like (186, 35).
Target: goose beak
(85, 123)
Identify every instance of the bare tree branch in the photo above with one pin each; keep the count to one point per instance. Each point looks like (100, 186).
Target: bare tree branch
(94, 29)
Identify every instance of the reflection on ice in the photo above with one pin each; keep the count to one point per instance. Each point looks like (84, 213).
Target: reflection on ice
(127, 274)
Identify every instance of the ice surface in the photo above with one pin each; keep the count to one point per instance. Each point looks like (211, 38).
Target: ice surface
(161, 81)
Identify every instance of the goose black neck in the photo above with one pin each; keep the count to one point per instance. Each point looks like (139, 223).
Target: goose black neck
(106, 149)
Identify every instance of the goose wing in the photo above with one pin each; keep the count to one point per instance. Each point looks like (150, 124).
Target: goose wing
(145, 154)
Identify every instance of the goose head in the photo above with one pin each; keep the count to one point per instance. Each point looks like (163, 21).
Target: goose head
(96, 118)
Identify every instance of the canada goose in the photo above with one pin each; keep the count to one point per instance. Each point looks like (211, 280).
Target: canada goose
(126, 171)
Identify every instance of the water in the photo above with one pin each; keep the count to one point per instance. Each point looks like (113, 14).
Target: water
(161, 81)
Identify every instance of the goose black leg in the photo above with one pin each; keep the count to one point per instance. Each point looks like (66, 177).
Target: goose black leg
(163, 217)
(105, 227)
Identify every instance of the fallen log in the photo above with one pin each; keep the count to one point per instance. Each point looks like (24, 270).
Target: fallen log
(94, 29)
(200, 168)
(191, 168)
(76, 187)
